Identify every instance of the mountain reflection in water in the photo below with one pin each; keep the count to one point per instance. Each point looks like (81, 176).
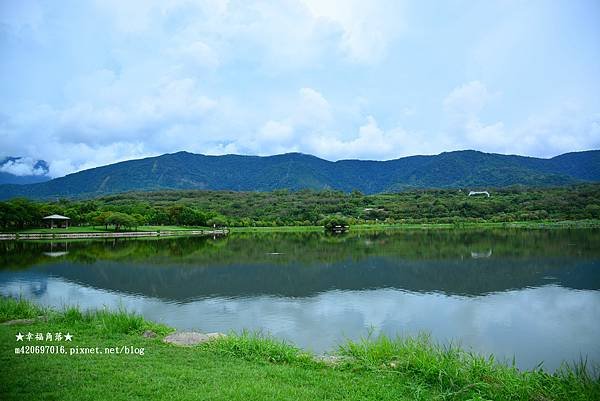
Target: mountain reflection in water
(529, 293)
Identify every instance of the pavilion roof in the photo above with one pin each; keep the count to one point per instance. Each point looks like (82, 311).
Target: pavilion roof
(56, 217)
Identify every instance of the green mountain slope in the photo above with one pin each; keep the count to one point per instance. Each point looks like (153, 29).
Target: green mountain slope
(295, 171)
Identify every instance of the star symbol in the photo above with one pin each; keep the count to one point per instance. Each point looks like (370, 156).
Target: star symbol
(19, 337)
(68, 337)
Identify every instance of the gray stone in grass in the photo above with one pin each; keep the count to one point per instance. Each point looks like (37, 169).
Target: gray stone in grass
(191, 338)
(332, 359)
(19, 321)
(24, 321)
(149, 334)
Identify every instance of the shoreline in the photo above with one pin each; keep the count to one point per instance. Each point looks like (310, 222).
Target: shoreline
(372, 368)
(124, 234)
(565, 224)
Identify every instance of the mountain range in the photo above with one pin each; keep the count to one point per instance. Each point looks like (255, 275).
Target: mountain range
(294, 171)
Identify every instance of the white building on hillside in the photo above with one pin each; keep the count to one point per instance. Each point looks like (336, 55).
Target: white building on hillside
(479, 193)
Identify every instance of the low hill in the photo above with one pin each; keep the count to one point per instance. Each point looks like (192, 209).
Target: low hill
(183, 170)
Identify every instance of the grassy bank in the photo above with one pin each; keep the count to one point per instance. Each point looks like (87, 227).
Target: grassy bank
(278, 229)
(101, 229)
(542, 224)
(592, 223)
(253, 367)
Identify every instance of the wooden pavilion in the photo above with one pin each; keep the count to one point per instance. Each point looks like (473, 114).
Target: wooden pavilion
(57, 221)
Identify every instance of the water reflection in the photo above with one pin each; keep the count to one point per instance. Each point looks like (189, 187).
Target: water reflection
(477, 255)
(57, 249)
(531, 294)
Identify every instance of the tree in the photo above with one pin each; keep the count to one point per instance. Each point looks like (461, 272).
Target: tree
(217, 221)
(158, 216)
(25, 212)
(103, 219)
(191, 217)
(6, 214)
(592, 211)
(119, 220)
(139, 220)
(331, 223)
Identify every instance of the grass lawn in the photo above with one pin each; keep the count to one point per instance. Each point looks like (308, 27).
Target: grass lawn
(172, 228)
(101, 229)
(277, 229)
(250, 367)
(383, 226)
(512, 224)
(357, 227)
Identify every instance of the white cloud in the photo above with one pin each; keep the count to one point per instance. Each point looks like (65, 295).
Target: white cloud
(373, 142)
(309, 130)
(275, 131)
(309, 114)
(105, 128)
(79, 156)
(313, 109)
(467, 100)
(22, 166)
(559, 130)
(151, 96)
(367, 27)
(562, 129)
(291, 32)
(336, 79)
(272, 137)
(199, 54)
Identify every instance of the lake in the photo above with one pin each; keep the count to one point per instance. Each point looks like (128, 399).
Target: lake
(529, 294)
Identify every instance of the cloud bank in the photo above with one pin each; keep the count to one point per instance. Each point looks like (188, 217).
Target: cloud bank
(90, 83)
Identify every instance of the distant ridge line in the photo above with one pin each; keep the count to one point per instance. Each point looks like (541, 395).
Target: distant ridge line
(183, 170)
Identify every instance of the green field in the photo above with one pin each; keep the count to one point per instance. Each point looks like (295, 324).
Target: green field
(383, 226)
(593, 223)
(99, 229)
(253, 367)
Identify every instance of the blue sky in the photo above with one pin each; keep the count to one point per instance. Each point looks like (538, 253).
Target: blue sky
(86, 83)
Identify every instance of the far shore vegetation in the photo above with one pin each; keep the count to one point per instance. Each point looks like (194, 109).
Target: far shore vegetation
(308, 209)
(375, 368)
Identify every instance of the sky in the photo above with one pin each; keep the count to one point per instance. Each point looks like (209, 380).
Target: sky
(86, 83)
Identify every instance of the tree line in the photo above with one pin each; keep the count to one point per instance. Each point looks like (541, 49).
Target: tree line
(308, 207)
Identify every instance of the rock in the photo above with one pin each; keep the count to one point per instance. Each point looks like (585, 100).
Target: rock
(332, 359)
(24, 321)
(191, 338)
(214, 336)
(149, 334)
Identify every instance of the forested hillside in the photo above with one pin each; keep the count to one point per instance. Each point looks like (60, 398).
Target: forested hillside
(308, 207)
(295, 171)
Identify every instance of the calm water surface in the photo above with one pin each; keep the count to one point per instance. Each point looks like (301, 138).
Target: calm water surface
(534, 295)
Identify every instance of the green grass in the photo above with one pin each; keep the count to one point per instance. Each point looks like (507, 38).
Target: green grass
(250, 366)
(358, 227)
(101, 229)
(378, 227)
(277, 229)
(455, 372)
(513, 224)
(11, 308)
(85, 229)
